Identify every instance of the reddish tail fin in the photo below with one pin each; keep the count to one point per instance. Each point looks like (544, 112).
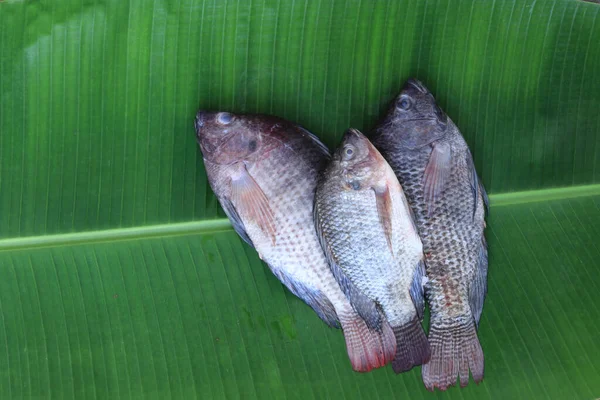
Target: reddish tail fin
(412, 347)
(367, 349)
(455, 350)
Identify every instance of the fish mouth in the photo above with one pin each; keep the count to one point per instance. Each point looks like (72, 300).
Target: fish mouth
(352, 136)
(209, 144)
(352, 133)
(199, 121)
(372, 155)
(417, 85)
(198, 125)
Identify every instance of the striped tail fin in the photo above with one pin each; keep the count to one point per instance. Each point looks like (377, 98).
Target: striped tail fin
(455, 350)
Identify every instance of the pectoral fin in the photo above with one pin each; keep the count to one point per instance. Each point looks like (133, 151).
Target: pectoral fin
(384, 209)
(252, 204)
(437, 173)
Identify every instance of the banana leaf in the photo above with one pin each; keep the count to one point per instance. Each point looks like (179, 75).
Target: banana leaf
(120, 277)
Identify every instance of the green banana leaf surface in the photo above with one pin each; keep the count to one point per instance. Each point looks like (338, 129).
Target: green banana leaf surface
(120, 276)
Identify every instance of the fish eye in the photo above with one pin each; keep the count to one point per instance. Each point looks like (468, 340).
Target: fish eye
(224, 118)
(404, 103)
(348, 153)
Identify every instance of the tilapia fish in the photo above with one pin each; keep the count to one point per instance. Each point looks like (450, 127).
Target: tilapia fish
(372, 244)
(264, 172)
(435, 167)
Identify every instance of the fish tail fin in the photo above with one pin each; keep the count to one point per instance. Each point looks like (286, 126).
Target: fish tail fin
(455, 350)
(412, 347)
(367, 348)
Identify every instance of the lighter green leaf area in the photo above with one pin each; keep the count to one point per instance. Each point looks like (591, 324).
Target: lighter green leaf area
(197, 315)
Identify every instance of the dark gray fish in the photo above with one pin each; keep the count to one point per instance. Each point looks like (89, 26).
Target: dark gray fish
(264, 172)
(369, 237)
(434, 166)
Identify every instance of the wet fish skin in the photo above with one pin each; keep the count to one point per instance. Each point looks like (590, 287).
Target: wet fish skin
(434, 165)
(367, 233)
(264, 170)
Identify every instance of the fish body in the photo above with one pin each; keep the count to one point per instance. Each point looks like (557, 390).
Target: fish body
(367, 232)
(434, 165)
(264, 172)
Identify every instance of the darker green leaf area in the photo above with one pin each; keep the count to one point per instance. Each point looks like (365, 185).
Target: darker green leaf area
(98, 97)
(199, 316)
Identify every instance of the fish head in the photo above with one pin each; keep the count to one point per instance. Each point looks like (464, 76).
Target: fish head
(226, 138)
(414, 118)
(359, 162)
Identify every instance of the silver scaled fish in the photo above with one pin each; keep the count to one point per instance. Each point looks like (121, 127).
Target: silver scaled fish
(373, 247)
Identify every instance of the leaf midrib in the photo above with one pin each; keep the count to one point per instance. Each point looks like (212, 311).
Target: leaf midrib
(223, 224)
